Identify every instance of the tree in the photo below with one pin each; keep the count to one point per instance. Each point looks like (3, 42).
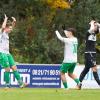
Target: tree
(33, 40)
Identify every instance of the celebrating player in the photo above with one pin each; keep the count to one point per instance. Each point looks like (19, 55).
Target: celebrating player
(90, 52)
(70, 55)
(6, 59)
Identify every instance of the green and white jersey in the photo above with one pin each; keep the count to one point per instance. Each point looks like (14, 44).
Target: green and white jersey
(70, 49)
(4, 42)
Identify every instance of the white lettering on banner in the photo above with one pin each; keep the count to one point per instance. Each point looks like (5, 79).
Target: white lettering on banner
(49, 78)
(34, 72)
(45, 72)
(39, 84)
(25, 78)
(52, 72)
(36, 78)
(58, 78)
(23, 70)
(40, 72)
(51, 83)
(45, 78)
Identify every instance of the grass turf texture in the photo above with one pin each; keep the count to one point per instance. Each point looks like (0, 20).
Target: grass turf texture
(49, 94)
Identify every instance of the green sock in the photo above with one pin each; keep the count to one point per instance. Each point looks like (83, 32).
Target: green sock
(77, 80)
(65, 84)
(7, 77)
(17, 76)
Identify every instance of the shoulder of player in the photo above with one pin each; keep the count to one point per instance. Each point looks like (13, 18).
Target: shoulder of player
(74, 38)
(71, 39)
(88, 33)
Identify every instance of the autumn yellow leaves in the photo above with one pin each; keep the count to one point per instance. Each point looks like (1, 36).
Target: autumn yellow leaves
(63, 4)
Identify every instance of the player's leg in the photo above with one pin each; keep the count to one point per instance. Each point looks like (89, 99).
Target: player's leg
(94, 67)
(88, 65)
(74, 77)
(63, 78)
(70, 73)
(83, 73)
(5, 65)
(95, 74)
(17, 76)
(86, 68)
(15, 71)
(63, 70)
(7, 77)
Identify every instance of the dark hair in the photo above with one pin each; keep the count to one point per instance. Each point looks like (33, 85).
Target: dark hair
(73, 30)
(9, 23)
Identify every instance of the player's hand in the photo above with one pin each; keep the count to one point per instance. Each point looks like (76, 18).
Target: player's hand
(98, 24)
(92, 22)
(5, 16)
(63, 27)
(14, 19)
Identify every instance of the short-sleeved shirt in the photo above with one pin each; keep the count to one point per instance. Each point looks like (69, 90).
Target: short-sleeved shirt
(4, 42)
(91, 41)
(70, 49)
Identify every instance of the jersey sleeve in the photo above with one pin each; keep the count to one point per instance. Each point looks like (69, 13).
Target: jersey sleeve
(0, 31)
(60, 37)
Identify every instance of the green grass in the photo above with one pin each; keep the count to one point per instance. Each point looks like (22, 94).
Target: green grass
(49, 94)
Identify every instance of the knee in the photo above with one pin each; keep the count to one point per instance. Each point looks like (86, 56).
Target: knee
(7, 69)
(94, 69)
(70, 75)
(14, 68)
(62, 74)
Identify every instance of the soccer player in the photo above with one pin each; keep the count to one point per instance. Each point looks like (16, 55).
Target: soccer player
(6, 59)
(90, 52)
(70, 55)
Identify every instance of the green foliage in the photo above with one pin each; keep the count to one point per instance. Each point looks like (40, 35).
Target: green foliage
(34, 41)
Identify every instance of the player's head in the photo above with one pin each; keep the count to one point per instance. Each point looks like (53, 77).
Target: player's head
(93, 26)
(8, 27)
(70, 32)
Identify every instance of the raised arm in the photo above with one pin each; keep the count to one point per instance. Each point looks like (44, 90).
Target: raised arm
(60, 37)
(94, 26)
(4, 22)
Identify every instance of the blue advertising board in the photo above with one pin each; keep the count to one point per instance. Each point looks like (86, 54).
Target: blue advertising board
(36, 75)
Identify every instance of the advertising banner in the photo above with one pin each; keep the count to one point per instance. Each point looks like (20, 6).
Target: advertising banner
(48, 76)
(36, 75)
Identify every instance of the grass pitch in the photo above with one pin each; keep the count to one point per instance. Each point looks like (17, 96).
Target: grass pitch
(48, 94)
